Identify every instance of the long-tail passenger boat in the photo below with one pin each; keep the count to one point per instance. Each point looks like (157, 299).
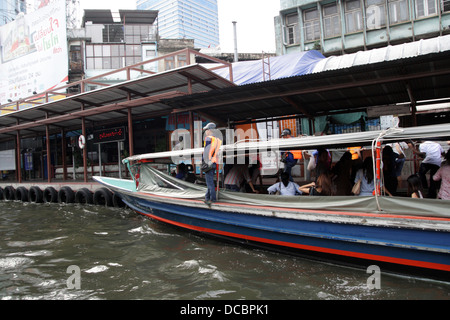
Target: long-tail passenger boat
(398, 234)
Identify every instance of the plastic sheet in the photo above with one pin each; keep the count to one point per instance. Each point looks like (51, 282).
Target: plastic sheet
(288, 65)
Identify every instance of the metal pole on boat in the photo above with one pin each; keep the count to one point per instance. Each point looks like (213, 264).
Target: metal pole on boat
(218, 182)
(378, 169)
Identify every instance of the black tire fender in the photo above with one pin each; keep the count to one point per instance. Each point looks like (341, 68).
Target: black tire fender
(21, 194)
(84, 196)
(118, 202)
(103, 197)
(36, 195)
(9, 193)
(66, 195)
(50, 195)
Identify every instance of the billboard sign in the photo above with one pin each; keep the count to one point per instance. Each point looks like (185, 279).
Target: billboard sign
(34, 53)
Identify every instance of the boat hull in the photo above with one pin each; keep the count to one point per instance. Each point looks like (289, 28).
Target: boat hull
(406, 250)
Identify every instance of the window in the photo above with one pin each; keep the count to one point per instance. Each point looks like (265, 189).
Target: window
(113, 33)
(291, 29)
(398, 11)
(376, 14)
(75, 53)
(425, 8)
(311, 24)
(169, 63)
(445, 5)
(331, 24)
(111, 56)
(182, 60)
(353, 16)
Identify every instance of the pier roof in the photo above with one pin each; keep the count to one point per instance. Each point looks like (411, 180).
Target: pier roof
(409, 79)
(411, 74)
(110, 104)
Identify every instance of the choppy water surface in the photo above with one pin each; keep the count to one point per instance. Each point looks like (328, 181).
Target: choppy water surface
(122, 255)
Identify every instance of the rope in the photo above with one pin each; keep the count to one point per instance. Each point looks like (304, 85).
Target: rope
(376, 148)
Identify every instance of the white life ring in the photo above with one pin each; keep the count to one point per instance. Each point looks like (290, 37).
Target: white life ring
(81, 142)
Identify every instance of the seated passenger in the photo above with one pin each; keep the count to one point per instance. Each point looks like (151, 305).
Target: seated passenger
(414, 186)
(366, 176)
(285, 186)
(236, 175)
(181, 171)
(342, 181)
(321, 187)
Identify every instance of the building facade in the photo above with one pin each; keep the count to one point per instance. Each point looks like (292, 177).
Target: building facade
(345, 26)
(110, 41)
(187, 19)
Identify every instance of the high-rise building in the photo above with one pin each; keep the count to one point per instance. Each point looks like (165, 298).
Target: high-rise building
(186, 19)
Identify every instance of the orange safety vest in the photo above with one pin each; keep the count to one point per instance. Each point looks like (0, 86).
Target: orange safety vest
(213, 148)
(297, 154)
(353, 152)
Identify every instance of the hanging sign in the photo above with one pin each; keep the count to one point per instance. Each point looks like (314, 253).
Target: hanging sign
(109, 135)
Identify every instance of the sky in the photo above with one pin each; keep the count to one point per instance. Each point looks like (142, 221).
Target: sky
(254, 22)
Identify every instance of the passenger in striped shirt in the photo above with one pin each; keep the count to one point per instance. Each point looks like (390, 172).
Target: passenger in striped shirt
(236, 176)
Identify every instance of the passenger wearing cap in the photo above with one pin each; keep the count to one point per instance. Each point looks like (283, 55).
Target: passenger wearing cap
(210, 155)
(287, 157)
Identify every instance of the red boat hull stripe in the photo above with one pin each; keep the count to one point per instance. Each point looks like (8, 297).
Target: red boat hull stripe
(414, 263)
(378, 215)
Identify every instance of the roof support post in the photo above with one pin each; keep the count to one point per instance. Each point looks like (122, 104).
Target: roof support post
(83, 132)
(18, 155)
(47, 137)
(63, 151)
(413, 103)
(130, 133)
(191, 133)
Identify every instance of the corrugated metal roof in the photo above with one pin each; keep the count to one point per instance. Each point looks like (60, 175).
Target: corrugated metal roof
(108, 104)
(105, 16)
(397, 74)
(385, 54)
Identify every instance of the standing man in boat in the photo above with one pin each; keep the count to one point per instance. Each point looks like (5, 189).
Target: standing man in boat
(431, 153)
(212, 145)
(287, 157)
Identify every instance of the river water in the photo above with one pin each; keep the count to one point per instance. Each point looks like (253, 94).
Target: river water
(57, 251)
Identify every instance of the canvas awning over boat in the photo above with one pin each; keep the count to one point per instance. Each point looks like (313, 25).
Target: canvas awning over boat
(441, 131)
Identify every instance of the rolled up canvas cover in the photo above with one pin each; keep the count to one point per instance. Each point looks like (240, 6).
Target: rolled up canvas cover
(312, 142)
